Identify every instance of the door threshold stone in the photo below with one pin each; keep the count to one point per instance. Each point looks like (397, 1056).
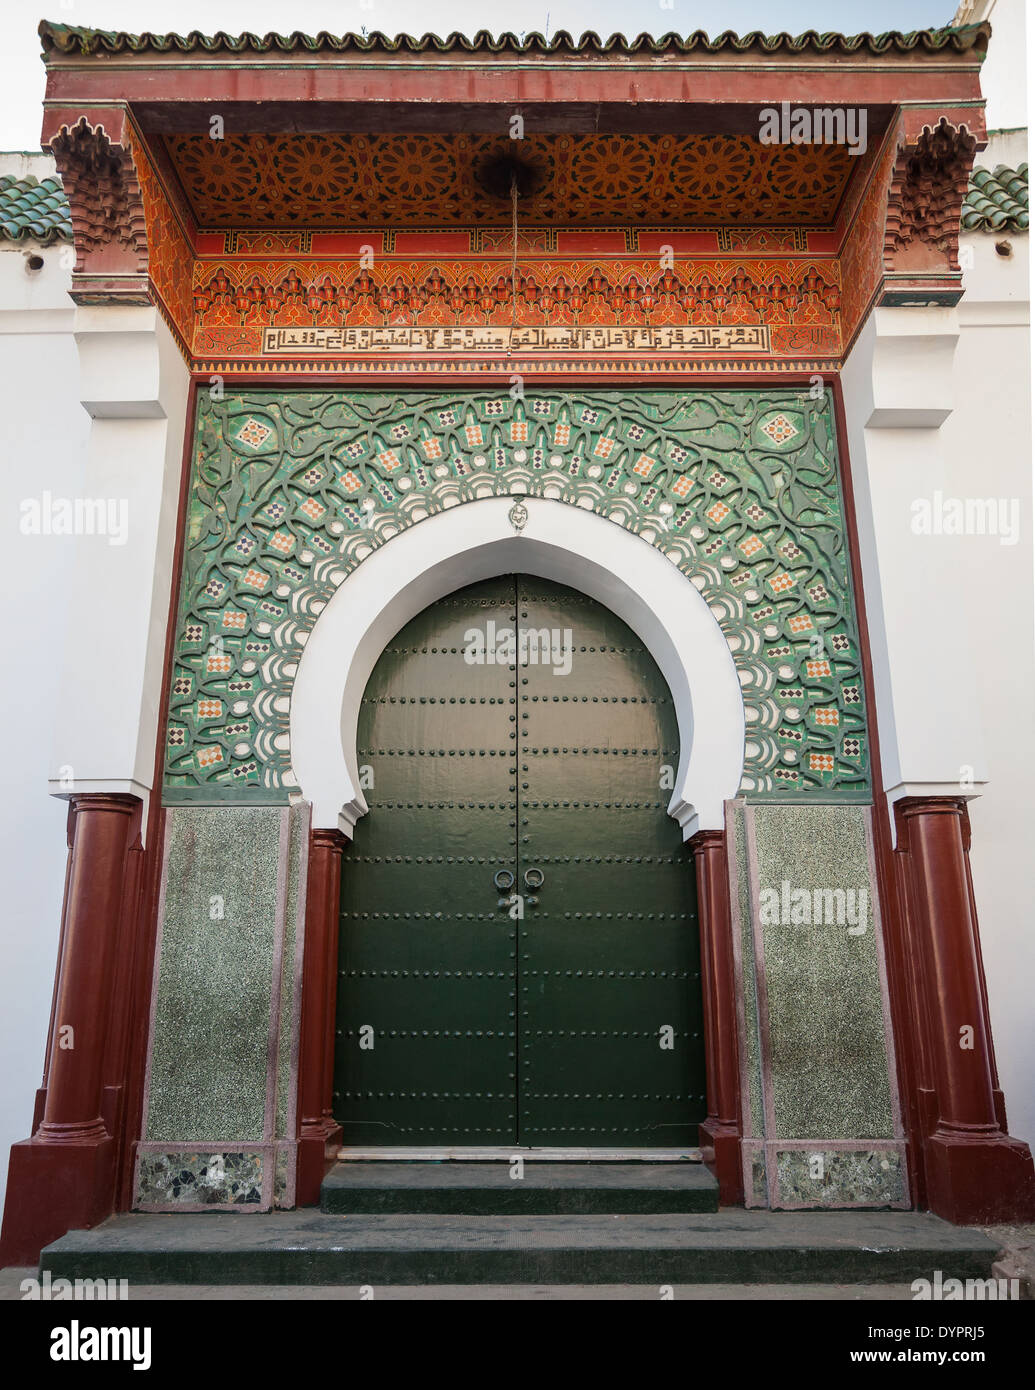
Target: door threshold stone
(500, 1154)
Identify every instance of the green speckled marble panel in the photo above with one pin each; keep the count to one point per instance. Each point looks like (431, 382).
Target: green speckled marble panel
(211, 1031)
(758, 1188)
(283, 1176)
(736, 831)
(190, 1180)
(827, 1052)
(841, 1177)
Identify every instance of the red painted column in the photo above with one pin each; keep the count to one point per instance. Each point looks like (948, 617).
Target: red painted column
(976, 1173)
(319, 1137)
(63, 1177)
(330, 976)
(721, 1131)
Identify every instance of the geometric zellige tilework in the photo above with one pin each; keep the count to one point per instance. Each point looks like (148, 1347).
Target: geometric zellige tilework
(740, 488)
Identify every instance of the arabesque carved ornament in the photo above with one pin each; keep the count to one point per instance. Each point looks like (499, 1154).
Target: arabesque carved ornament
(292, 490)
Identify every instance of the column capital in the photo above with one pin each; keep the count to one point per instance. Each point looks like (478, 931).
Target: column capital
(122, 803)
(324, 837)
(911, 809)
(704, 840)
(908, 806)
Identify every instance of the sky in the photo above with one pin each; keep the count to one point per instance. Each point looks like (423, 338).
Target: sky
(21, 72)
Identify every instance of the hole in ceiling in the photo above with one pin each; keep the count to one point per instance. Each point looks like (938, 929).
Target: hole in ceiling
(498, 172)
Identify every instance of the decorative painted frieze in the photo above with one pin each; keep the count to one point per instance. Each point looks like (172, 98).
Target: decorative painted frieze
(292, 490)
(792, 306)
(784, 313)
(443, 179)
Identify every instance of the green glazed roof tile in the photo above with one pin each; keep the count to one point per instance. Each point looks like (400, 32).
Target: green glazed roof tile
(997, 200)
(68, 39)
(33, 209)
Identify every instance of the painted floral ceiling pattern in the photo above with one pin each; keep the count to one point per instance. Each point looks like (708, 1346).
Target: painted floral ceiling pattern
(440, 180)
(292, 490)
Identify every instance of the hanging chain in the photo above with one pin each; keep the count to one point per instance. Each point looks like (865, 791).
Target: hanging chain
(513, 261)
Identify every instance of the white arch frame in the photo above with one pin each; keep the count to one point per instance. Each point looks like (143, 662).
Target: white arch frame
(475, 541)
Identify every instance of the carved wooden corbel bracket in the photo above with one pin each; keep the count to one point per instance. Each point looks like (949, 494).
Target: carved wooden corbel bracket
(925, 200)
(107, 215)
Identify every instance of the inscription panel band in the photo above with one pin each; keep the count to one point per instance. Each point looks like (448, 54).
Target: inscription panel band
(731, 338)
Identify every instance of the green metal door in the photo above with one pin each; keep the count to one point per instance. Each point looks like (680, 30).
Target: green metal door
(519, 954)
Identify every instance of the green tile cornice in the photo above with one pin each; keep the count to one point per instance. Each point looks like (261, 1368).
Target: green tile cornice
(997, 200)
(33, 209)
(71, 39)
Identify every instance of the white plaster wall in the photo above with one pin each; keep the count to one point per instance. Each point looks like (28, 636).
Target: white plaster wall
(44, 442)
(1003, 76)
(989, 452)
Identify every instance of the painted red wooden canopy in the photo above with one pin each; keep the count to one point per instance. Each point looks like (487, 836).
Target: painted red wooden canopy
(346, 190)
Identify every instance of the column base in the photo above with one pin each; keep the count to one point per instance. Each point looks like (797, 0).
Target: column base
(980, 1181)
(721, 1145)
(54, 1188)
(318, 1147)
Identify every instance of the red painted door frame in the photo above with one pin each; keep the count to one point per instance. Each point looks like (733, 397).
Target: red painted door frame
(319, 1135)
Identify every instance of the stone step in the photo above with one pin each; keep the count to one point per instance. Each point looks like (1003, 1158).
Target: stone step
(729, 1246)
(546, 1189)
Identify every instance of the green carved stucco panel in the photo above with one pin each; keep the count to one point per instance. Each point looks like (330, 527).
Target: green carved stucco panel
(291, 490)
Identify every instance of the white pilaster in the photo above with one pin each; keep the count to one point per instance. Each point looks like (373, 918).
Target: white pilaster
(898, 391)
(134, 384)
